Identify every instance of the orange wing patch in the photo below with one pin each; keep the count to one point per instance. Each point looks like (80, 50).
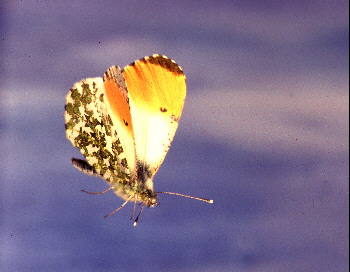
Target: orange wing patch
(158, 83)
(117, 96)
(117, 102)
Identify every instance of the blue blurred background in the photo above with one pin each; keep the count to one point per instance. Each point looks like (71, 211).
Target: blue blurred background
(264, 133)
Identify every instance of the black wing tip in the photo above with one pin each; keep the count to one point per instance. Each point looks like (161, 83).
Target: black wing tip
(162, 61)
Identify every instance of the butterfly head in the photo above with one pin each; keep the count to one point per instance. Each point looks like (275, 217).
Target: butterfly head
(148, 197)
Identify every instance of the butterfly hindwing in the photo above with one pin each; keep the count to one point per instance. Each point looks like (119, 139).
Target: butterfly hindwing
(90, 127)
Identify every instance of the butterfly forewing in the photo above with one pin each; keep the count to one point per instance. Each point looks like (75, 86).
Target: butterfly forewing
(157, 91)
(118, 103)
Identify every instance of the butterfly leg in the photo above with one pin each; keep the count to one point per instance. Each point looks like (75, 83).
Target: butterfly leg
(137, 218)
(99, 193)
(134, 209)
(119, 207)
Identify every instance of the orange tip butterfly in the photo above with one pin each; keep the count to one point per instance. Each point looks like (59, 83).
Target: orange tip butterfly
(124, 124)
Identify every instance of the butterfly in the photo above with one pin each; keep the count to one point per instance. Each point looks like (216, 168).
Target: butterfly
(124, 124)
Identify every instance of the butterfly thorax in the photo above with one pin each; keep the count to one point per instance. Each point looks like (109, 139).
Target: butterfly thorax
(136, 192)
(138, 188)
(143, 195)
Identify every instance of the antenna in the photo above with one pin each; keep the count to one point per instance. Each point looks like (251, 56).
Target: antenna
(193, 197)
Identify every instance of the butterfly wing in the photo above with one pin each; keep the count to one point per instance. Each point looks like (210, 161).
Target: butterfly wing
(157, 91)
(99, 129)
(118, 103)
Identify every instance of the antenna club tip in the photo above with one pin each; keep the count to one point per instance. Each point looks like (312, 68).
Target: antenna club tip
(211, 201)
(135, 224)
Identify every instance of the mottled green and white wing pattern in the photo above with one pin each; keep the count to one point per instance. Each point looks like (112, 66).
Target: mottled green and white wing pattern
(90, 128)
